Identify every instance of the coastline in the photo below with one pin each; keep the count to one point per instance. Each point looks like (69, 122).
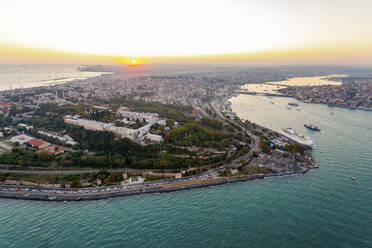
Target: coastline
(136, 191)
(49, 83)
(331, 78)
(77, 194)
(333, 105)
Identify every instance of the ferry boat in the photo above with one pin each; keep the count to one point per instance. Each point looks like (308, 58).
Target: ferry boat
(299, 138)
(293, 104)
(312, 127)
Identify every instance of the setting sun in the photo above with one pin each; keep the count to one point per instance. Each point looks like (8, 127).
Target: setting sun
(131, 61)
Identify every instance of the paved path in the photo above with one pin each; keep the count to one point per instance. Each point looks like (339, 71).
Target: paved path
(65, 172)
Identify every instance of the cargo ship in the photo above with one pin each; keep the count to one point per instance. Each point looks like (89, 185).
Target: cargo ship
(299, 138)
(312, 127)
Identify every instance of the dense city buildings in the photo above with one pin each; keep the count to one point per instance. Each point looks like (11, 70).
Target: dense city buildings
(352, 93)
(167, 122)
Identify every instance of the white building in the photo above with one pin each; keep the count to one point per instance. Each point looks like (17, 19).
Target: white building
(87, 124)
(154, 137)
(123, 132)
(138, 134)
(133, 180)
(21, 125)
(21, 139)
(65, 139)
(151, 118)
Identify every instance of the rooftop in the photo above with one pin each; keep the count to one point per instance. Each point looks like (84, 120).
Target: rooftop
(38, 143)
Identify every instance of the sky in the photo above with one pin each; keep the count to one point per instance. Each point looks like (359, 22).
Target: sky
(241, 31)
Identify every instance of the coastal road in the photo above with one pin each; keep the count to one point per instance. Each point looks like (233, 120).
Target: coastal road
(50, 172)
(255, 139)
(67, 172)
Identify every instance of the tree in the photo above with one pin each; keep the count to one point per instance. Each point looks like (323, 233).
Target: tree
(225, 142)
(170, 123)
(294, 148)
(66, 163)
(114, 177)
(119, 124)
(211, 123)
(76, 184)
(230, 128)
(103, 174)
(265, 148)
(43, 156)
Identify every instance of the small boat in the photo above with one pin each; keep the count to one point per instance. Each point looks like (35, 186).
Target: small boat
(312, 127)
(293, 104)
(353, 178)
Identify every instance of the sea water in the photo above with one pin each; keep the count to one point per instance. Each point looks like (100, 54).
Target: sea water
(30, 75)
(323, 208)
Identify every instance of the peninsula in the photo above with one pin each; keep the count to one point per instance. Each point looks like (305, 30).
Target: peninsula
(95, 139)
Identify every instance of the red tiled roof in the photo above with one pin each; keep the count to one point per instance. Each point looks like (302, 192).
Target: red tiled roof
(4, 104)
(38, 142)
(53, 149)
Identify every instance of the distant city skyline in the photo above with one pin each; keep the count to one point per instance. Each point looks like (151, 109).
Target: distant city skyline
(247, 32)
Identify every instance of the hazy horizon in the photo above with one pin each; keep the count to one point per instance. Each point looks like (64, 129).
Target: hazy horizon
(236, 32)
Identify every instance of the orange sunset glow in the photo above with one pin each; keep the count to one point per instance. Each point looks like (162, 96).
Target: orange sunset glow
(131, 61)
(254, 32)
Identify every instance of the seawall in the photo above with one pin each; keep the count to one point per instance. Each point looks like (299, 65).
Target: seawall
(136, 191)
(106, 195)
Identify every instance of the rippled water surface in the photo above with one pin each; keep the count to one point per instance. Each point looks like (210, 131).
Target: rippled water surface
(323, 208)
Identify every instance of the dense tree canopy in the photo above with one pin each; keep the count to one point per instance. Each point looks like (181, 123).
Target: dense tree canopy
(194, 134)
(211, 123)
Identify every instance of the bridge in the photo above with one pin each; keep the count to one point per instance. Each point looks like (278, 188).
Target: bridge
(260, 93)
